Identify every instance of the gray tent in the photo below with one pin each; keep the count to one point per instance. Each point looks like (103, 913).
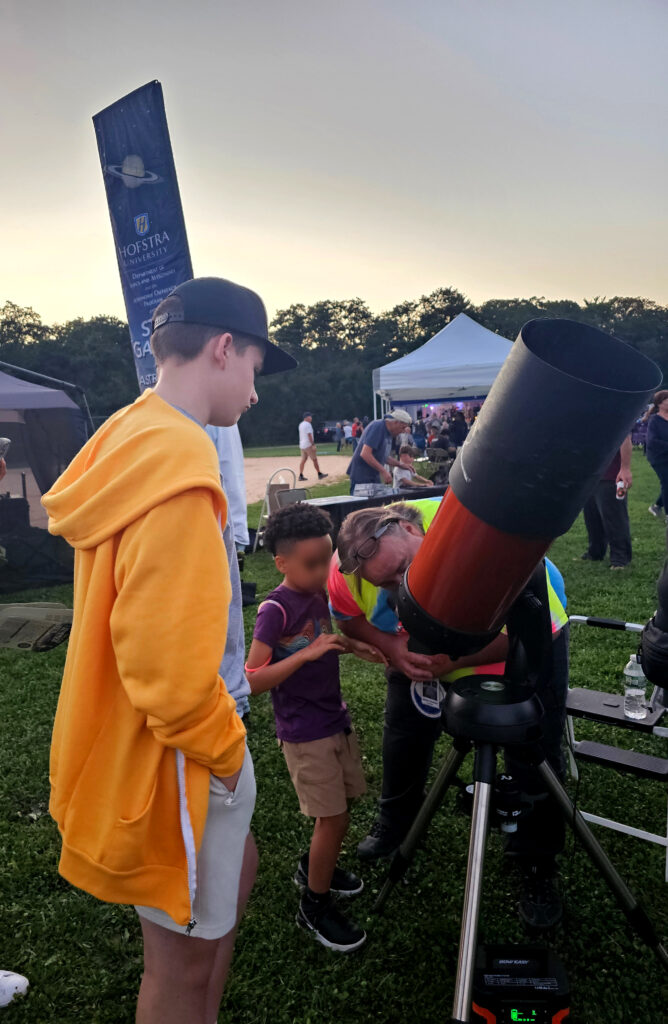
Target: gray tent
(46, 429)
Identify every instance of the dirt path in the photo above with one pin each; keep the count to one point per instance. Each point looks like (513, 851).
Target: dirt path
(258, 471)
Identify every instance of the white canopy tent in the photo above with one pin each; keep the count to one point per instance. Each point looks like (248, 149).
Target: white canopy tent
(461, 361)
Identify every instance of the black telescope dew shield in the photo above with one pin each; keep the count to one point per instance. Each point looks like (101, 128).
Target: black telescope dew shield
(564, 401)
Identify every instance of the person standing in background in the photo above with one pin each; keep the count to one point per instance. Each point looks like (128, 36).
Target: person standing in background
(445, 442)
(458, 429)
(307, 446)
(235, 535)
(420, 433)
(656, 446)
(231, 461)
(606, 513)
(368, 474)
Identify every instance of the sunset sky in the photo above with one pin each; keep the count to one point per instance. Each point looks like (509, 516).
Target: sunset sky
(372, 148)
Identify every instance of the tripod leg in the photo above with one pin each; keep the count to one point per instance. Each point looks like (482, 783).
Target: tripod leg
(404, 855)
(482, 798)
(636, 915)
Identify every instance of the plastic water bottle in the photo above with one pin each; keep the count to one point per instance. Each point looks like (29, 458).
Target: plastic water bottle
(634, 690)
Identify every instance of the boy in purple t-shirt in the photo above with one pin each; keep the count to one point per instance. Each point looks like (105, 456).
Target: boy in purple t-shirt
(295, 655)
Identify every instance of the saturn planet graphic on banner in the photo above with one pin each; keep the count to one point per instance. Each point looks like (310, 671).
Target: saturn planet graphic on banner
(132, 172)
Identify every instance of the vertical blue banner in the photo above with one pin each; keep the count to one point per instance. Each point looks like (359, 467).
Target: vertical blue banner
(145, 210)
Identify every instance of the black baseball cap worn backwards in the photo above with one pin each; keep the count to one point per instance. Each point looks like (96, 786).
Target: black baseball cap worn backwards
(215, 302)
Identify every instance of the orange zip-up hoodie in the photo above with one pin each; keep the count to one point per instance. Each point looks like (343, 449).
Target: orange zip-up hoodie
(143, 717)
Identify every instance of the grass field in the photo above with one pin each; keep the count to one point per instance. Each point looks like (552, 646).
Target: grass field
(83, 958)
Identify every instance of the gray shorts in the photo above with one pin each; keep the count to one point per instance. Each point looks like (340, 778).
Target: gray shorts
(219, 859)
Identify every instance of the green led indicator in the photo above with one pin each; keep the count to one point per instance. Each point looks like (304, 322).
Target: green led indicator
(521, 1016)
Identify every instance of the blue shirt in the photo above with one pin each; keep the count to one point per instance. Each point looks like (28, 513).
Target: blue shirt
(379, 439)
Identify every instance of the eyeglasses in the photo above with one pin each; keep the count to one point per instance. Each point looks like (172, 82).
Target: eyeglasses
(367, 548)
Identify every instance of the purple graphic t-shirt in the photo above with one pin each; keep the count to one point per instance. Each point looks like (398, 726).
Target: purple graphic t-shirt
(308, 704)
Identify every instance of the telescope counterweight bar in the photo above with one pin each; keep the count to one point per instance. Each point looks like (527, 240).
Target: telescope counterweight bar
(592, 620)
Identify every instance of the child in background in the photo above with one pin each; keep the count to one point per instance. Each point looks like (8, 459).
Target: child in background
(405, 475)
(295, 655)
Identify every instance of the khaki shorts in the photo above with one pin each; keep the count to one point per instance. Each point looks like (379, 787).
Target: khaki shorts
(311, 450)
(326, 773)
(219, 859)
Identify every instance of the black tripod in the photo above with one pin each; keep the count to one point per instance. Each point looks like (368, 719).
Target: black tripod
(485, 714)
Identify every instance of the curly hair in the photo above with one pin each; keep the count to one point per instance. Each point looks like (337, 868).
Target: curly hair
(294, 523)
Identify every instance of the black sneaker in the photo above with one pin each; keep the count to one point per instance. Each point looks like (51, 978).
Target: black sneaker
(343, 883)
(540, 905)
(329, 926)
(302, 477)
(380, 842)
(321, 476)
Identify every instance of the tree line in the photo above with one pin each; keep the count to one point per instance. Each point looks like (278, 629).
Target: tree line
(336, 342)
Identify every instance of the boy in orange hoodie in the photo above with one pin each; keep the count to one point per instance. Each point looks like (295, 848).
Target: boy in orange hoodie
(152, 786)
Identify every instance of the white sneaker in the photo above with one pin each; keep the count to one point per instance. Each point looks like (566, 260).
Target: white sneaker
(11, 985)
